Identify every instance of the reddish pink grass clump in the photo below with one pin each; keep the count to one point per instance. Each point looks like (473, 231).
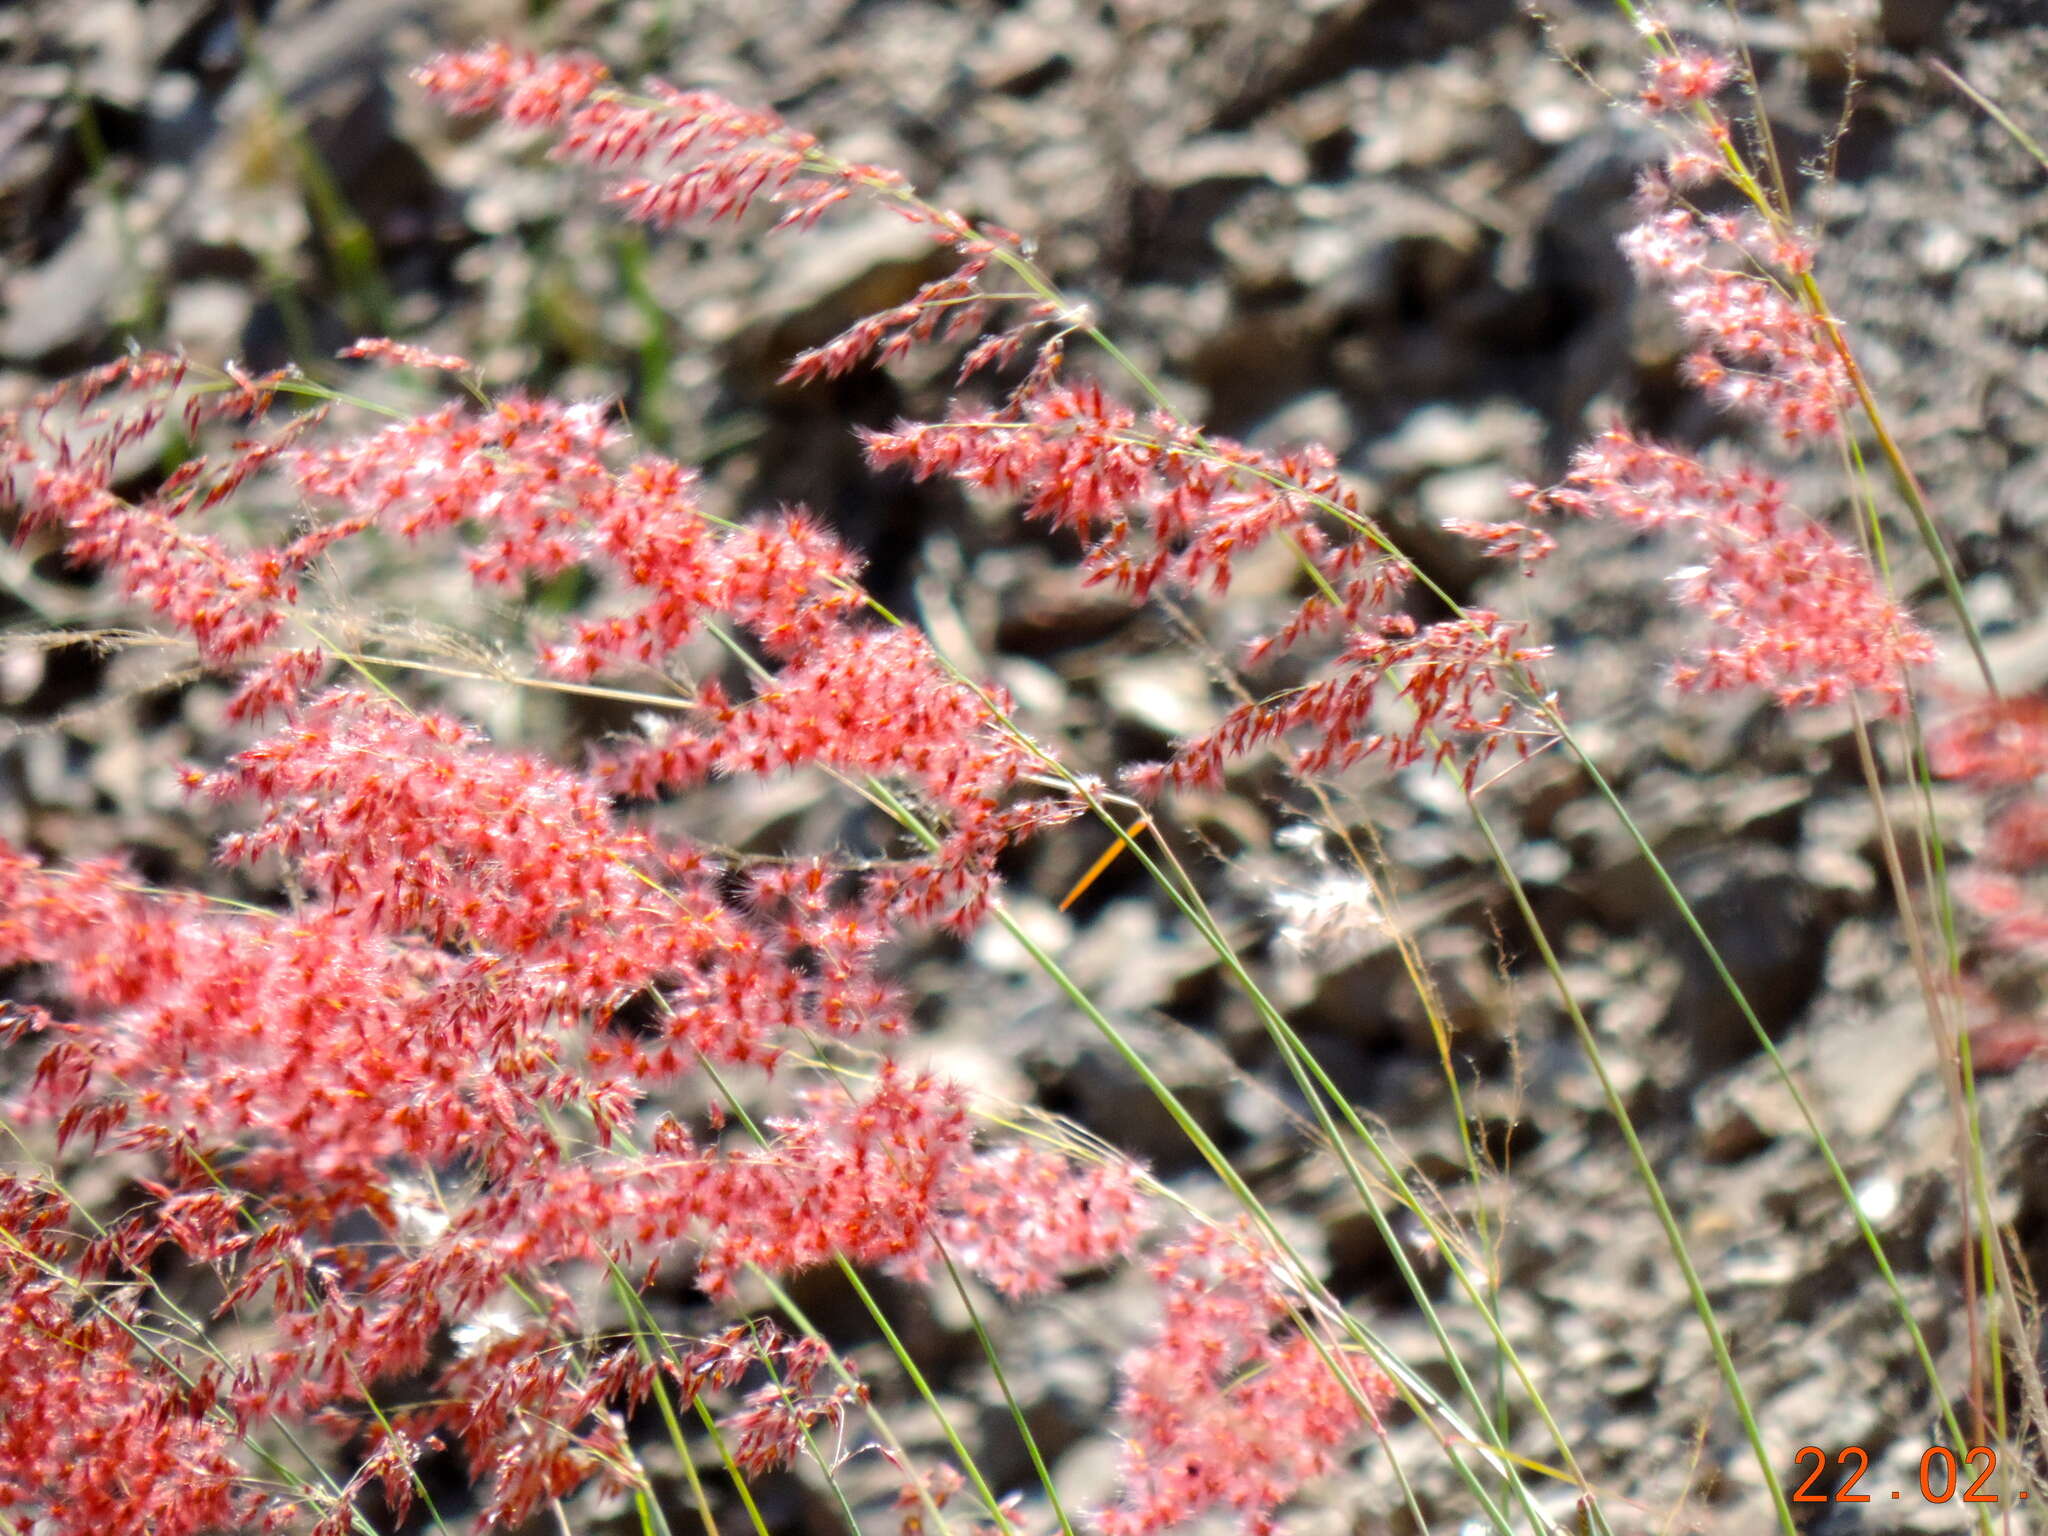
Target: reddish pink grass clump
(407, 1121)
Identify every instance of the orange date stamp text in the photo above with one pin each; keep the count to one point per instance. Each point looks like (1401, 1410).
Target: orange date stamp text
(1942, 1476)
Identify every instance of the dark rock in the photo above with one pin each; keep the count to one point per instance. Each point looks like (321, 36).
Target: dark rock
(1097, 1087)
(1765, 923)
(1913, 23)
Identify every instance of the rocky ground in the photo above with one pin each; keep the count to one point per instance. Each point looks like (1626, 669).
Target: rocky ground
(1381, 225)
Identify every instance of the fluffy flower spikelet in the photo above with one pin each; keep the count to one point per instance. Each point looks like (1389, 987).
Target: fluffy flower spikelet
(524, 87)
(1162, 508)
(1803, 615)
(1734, 281)
(888, 1179)
(1685, 78)
(214, 1028)
(2000, 747)
(1993, 742)
(58, 458)
(729, 154)
(892, 1177)
(518, 468)
(1157, 505)
(1232, 1406)
(679, 156)
(405, 355)
(1459, 678)
(100, 1436)
(1758, 352)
